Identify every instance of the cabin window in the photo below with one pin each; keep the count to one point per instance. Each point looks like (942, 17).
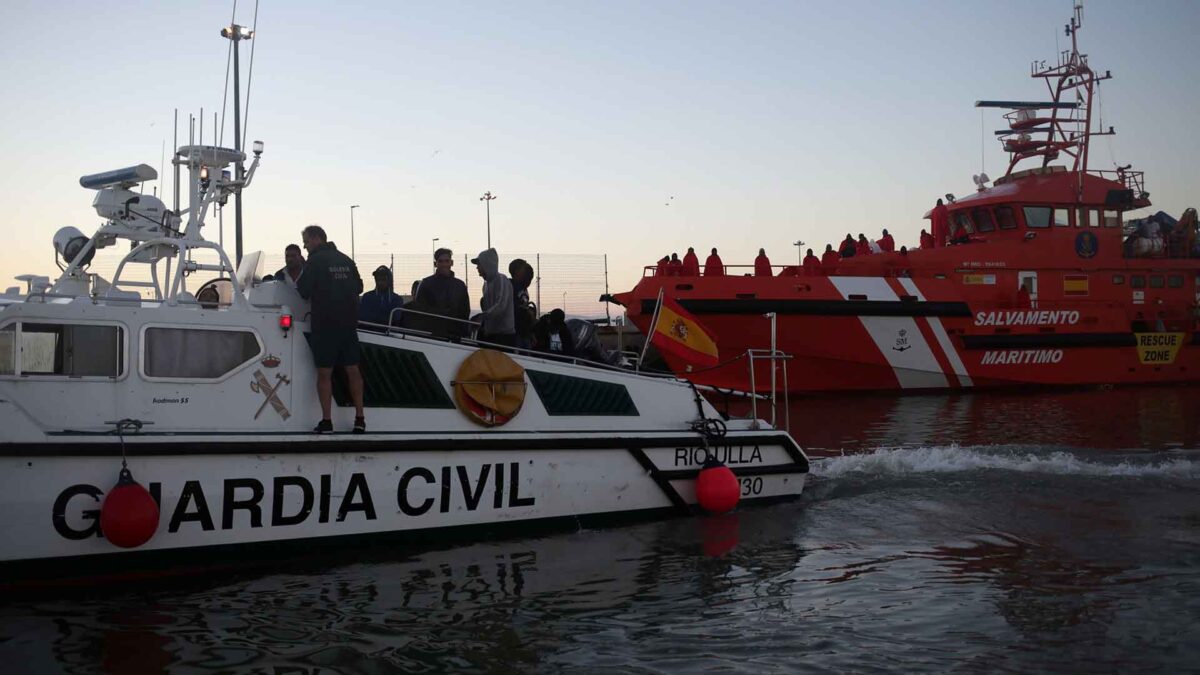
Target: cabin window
(8, 350)
(1093, 216)
(1112, 218)
(1005, 218)
(1118, 279)
(1156, 281)
(1137, 281)
(1062, 217)
(961, 219)
(1038, 216)
(983, 220)
(1175, 281)
(195, 353)
(64, 350)
(570, 395)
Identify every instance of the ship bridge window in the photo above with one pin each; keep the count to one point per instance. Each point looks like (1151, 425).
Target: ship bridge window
(961, 219)
(1137, 281)
(1062, 217)
(1112, 218)
(62, 350)
(1175, 281)
(1156, 281)
(196, 353)
(1005, 218)
(1038, 216)
(8, 350)
(1093, 218)
(983, 220)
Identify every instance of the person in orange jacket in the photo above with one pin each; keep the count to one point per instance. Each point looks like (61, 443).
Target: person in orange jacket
(661, 270)
(691, 264)
(926, 240)
(713, 267)
(829, 260)
(811, 265)
(939, 220)
(762, 265)
(862, 246)
(674, 266)
(886, 243)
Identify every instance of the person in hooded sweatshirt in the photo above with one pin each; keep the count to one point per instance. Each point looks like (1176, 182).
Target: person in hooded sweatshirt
(812, 265)
(691, 264)
(497, 301)
(829, 260)
(848, 247)
(886, 243)
(713, 267)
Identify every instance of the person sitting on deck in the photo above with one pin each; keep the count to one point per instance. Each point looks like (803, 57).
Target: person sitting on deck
(848, 248)
(551, 334)
(862, 246)
(926, 240)
(886, 243)
(811, 265)
(829, 260)
(713, 267)
(691, 264)
(674, 266)
(762, 265)
(939, 219)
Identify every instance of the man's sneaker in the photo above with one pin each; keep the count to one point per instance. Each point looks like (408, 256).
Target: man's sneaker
(323, 427)
(360, 425)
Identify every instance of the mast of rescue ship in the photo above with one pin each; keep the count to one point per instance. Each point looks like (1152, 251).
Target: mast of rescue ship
(1066, 125)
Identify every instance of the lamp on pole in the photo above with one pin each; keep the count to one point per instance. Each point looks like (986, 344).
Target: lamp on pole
(236, 34)
(799, 251)
(355, 206)
(433, 249)
(487, 200)
(564, 307)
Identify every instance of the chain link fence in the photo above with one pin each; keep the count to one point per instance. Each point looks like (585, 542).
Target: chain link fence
(573, 282)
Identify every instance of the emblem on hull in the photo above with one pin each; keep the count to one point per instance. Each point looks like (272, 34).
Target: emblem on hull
(902, 341)
(261, 385)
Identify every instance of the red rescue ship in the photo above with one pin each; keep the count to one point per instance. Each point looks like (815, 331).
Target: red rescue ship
(1038, 279)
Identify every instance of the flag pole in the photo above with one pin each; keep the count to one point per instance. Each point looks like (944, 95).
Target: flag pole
(653, 326)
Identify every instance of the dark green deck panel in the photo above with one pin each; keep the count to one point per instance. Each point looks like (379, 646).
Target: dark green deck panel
(394, 378)
(569, 395)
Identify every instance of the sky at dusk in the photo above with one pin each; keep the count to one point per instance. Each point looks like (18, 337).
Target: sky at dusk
(632, 129)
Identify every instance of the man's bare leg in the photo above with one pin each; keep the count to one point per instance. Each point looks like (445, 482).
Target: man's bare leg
(354, 379)
(325, 391)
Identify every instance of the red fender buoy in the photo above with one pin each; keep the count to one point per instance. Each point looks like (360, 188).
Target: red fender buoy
(129, 515)
(717, 488)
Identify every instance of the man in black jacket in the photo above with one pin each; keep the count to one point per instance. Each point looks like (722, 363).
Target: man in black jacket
(442, 293)
(332, 284)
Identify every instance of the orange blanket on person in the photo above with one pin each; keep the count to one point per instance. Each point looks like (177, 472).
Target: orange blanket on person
(682, 335)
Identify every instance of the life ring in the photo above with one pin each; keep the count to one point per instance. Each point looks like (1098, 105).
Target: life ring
(489, 387)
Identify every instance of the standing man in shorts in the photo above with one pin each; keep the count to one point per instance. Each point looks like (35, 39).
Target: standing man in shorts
(332, 284)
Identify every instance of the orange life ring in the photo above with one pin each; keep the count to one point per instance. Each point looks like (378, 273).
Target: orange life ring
(489, 387)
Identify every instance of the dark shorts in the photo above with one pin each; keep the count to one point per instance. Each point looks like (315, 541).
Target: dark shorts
(334, 347)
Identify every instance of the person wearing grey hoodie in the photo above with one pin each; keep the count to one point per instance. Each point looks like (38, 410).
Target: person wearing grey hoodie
(497, 302)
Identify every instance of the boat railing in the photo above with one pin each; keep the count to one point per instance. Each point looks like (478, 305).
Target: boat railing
(737, 271)
(1132, 180)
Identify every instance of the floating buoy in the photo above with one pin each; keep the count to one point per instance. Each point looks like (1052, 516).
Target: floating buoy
(717, 488)
(129, 515)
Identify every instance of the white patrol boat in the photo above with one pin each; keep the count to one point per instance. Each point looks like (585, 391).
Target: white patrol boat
(204, 399)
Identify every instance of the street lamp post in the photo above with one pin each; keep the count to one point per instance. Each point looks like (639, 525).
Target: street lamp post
(236, 34)
(799, 251)
(433, 249)
(352, 257)
(564, 307)
(487, 200)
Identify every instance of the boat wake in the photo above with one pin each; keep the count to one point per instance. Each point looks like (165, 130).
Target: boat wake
(953, 459)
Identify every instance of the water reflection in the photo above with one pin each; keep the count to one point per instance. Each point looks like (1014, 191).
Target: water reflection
(500, 605)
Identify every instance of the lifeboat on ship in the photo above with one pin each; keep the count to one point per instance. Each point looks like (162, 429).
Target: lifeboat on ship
(1045, 277)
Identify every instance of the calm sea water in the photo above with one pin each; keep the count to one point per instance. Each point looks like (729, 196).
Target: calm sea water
(997, 532)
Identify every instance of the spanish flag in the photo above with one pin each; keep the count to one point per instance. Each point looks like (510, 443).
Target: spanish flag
(679, 333)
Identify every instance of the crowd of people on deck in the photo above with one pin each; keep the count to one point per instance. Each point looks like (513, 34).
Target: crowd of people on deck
(439, 305)
(850, 247)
